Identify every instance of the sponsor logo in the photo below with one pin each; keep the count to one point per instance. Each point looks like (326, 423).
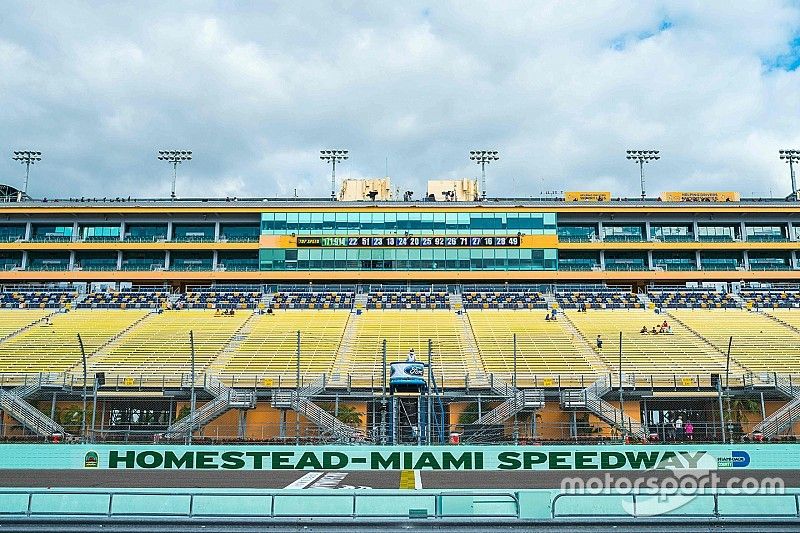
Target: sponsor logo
(414, 370)
(737, 459)
(90, 460)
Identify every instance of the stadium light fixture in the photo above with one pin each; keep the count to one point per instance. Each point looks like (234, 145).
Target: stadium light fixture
(333, 157)
(642, 157)
(483, 158)
(175, 157)
(27, 158)
(791, 157)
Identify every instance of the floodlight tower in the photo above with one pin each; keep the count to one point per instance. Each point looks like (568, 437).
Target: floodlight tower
(483, 157)
(27, 158)
(642, 157)
(175, 157)
(333, 157)
(791, 157)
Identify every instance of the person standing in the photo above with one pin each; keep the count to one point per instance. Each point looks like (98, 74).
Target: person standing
(679, 428)
(689, 429)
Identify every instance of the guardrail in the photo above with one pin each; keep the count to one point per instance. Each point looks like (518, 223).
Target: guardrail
(541, 505)
(256, 504)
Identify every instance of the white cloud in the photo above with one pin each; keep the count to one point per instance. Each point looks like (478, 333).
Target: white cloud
(561, 89)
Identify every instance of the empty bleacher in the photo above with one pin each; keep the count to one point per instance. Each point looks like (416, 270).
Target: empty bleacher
(270, 347)
(159, 345)
(312, 300)
(597, 300)
(544, 348)
(503, 300)
(408, 300)
(693, 299)
(679, 352)
(771, 299)
(760, 344)
(52, 346)
(404, 330)
(36, 299)
(220, 300)
(124, 300)
(12, 321)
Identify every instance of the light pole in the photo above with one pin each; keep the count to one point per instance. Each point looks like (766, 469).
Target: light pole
(27, 158)
(175, 157)
(642, 157)
(483, 157)
(791, 157)
(333, 157)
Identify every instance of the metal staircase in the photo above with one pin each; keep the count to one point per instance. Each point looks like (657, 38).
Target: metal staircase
(456, 301)
(300, 400)
(472, 352)
(27, 415)
(644, 299)
(786, 416)
(225, 399)
(580, 343)
(550, 300)
(519, 401)
(591, 399)
(360, 301)
(345, 350)
(223, 356)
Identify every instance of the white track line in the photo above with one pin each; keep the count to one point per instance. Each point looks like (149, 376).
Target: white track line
(417, 480)
(304, 481)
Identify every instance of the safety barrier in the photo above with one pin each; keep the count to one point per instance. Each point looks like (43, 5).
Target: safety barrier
(542, 504)
(257, 504)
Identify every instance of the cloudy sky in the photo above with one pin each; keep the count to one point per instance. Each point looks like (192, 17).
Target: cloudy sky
(256, 89)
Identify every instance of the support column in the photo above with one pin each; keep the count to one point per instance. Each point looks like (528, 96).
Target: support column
(28, 230)
(166, 260)
(119, 259)
(697, 258)
(600, 230)
(24, 259)
(743, 231)
(242, 423)
(75, 235)
(216, 231)
(790, 232)
(170, 237)
(122, 230)
(794, 259)
(647, 236)
(650, 259)
(745, 260)
(602, 260)
(214, 260)
(696, 230)
(71, 260)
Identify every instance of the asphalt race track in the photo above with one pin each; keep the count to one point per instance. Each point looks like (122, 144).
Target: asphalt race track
(350, 479)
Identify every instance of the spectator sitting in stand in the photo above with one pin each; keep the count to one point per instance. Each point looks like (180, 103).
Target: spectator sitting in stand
(643, 331)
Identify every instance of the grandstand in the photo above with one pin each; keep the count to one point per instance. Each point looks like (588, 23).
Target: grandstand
(269, 348)
(468, 282)
(681, 351)
(52, 345)
(159, 345)
(761, 344)
(544, 348)
(404, 331)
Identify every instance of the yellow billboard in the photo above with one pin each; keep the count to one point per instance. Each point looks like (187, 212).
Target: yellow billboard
(587, 196)
(717, 196)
